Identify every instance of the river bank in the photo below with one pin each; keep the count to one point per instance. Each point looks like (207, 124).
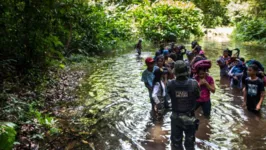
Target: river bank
(100, 103)
(44, 114)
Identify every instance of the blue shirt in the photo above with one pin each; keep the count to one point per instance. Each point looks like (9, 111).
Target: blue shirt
(147, 76)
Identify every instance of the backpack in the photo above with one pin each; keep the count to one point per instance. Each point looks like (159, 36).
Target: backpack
(206, 64)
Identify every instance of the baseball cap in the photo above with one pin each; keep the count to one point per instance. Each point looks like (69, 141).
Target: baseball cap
(165, 52)
(149, 60)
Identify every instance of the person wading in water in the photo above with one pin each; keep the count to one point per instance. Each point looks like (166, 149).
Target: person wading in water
(158, 92)
(183, 92)
(254, 91)
(138, 46)
(148, 76)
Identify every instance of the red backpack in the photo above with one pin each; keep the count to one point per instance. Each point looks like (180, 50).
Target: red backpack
(206, 64)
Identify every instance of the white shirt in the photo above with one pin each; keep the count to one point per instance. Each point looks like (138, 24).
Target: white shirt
(157, 92)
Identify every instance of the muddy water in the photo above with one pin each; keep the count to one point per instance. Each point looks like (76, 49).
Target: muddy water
(121, 98)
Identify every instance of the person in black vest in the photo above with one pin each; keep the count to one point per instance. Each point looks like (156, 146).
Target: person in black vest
(183, 93)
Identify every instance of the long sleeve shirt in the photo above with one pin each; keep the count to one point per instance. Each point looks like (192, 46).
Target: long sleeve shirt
(157, 92)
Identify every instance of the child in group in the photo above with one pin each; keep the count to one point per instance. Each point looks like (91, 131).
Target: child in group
(138, 46)
(148, 76)
(167, 74)
(167, 59)
(159, 91)
(222, 62)
(207, 86)
(236, 74)
(173, 56)
(254, 90)
(160, 64)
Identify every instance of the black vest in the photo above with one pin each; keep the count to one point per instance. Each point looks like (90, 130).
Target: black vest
(182, 95)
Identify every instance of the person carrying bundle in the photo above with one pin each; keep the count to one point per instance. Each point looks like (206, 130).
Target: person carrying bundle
(223, 63)
(179, 53)
(199, 62)
(236, 74)
(207, 86)
(159, 92)
(196, 52)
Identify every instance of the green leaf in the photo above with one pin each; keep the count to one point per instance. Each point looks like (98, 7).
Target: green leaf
(7, 135)
(62, 66)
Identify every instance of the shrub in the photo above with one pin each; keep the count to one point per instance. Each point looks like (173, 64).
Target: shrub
(251, 30)
(168, 20)
(7, 135)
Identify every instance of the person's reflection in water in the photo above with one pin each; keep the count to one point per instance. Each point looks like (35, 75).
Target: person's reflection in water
(155, 139)
(204, 130)
(224, 82)
(253, 130)
(139, 58)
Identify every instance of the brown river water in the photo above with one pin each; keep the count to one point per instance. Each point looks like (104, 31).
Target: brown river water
(115, 88)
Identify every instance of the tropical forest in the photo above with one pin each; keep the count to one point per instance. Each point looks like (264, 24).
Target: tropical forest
(75, 74)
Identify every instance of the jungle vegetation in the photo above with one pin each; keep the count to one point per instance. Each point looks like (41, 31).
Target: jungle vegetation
(39, 36)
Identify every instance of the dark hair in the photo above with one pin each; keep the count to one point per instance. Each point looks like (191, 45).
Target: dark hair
(230, 52)
(172, 45)
(173, 56)
(242, 59)
(254, 67)
(180, 47)
(161, 46)
(226, 50)
(202, 69)
(194, 44)
(198, 48)
(160, 57)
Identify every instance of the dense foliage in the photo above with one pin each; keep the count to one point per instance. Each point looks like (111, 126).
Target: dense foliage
(168, 20)
(39, 36)
(7, 135)
(250, 30)
(35, 33)
(249, 18)
(215, 12)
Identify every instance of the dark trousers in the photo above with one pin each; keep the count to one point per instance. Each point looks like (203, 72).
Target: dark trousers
(177, 135)
(166, 102)
(206, 107)
(151, 100)
(253, 110)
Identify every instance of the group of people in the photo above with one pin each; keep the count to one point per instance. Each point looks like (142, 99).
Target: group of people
(188, 85)
(250, 74)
